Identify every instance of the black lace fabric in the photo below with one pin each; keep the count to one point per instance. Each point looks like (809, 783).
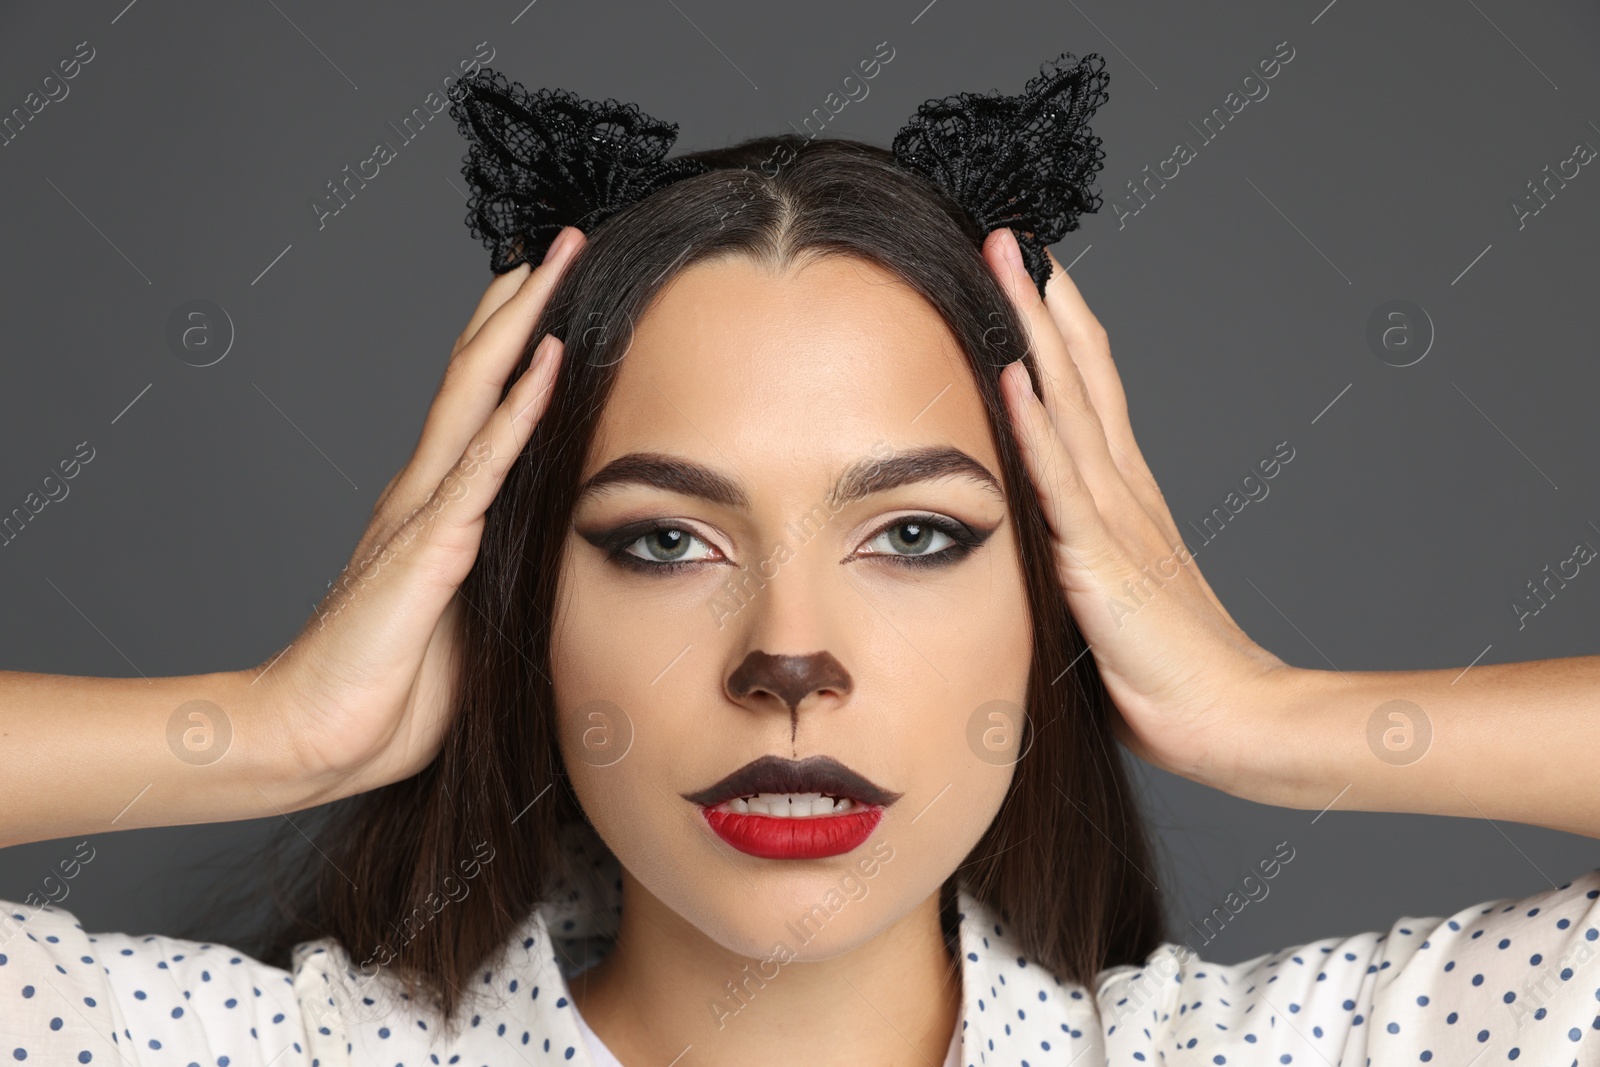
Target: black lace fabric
(1023, 161)
(541, 160)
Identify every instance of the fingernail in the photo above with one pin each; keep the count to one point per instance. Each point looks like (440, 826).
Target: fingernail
(558, 245)
(1007, 378)
(541, 351)
(1013, 251)
(564, 243)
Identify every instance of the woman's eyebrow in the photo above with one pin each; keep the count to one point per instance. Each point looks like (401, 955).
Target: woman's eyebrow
(861, 479)
(869, 476)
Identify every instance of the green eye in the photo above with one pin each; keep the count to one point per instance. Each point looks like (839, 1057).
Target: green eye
(668, 545)
(658, 548)
(911, 537)
(923, 541)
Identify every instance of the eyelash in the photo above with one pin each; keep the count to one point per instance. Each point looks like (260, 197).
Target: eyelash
(965, 539)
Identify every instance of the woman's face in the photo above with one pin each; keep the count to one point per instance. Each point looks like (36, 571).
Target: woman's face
(793, 544)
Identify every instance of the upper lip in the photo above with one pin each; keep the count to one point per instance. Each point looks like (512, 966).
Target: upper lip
(774, 774)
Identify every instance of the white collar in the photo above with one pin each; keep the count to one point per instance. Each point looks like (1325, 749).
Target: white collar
(999, 985)
(1003, 993)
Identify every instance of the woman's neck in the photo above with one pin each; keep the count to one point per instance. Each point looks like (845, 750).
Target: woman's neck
(668, 994)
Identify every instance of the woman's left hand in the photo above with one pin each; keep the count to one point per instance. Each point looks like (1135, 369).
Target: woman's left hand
(1193, 689)
(1199, 698)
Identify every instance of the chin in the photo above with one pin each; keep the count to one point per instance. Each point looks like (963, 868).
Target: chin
(809, 911)
(797, 919)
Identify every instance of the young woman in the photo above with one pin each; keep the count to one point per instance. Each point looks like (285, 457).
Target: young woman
(736, 674)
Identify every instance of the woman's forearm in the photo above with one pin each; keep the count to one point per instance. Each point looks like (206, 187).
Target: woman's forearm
(1513, 741)
(86, 755)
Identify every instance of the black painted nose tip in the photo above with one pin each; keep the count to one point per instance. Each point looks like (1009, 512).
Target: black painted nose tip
(789, 678)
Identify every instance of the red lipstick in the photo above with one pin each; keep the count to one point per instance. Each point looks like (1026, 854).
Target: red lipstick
(778, 808)
(794, 838)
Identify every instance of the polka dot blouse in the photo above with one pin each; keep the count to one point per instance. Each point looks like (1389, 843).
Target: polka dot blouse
(1494, 983)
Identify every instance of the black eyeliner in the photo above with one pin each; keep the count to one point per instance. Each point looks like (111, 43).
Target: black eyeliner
(615, 543)
(965, 537)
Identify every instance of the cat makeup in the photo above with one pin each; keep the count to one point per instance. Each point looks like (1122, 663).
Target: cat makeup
(791, 577)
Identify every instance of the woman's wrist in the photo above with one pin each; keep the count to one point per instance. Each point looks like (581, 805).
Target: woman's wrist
(271, 763)
(1287, 749)
(231, 753)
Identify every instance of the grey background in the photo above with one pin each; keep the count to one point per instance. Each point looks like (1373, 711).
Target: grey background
(222, 500)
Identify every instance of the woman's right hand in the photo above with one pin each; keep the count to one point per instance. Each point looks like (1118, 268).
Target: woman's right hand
(363, 695)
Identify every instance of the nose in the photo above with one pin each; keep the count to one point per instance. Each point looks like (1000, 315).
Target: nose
(789, 679)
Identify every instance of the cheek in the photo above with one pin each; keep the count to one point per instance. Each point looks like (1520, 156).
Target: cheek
(966, 650)
(968, 645)
(597, 705)
(615, 640)
(624, 687)
(614, 630)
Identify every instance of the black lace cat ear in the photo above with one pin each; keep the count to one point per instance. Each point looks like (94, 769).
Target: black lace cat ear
(539, 161)
(1021, 161)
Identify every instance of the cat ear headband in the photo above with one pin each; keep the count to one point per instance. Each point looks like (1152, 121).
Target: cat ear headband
(543, 160)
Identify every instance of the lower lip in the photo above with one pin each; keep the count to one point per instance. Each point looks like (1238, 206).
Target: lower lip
(808, 838)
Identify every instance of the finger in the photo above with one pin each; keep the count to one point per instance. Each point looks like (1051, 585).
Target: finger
(1099, 561)
(475, 379)
(504, 286)
(1066, 398)
(1089, 348)
(499, 291)
(453, 514)
(1067, 501)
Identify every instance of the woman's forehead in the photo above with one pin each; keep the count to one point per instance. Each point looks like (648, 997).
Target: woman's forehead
(818, 362)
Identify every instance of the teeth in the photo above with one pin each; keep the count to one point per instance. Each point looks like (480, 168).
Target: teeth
(788, 805)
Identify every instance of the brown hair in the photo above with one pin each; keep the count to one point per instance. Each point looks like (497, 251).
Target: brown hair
(1063, 861)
